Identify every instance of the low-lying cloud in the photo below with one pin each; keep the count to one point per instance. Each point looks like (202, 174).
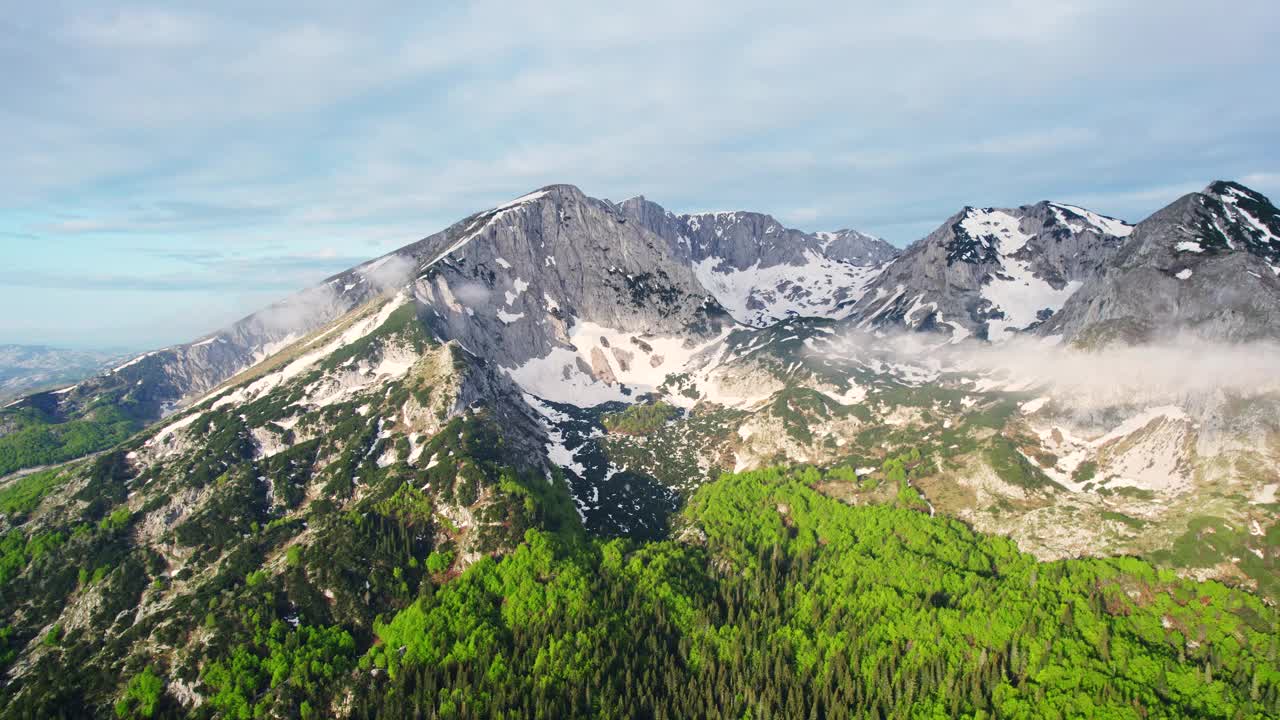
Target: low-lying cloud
(1181, 368)
(471, 293)
(305, 310)
(388, 273)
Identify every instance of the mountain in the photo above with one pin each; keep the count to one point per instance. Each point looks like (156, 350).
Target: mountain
(762, 272)
(1208, 264)
(570, 457)
(992, 273)
(547, 269)
(856, 247)
(103, 409)
(525, 284)
(25, 369)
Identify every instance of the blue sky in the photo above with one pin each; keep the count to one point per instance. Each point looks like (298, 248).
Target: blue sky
(169, 167)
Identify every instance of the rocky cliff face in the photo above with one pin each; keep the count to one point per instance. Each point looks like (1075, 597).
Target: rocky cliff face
(856, 247)
(992, 273)
(525, 279)
(763, 272)
(1208, 264)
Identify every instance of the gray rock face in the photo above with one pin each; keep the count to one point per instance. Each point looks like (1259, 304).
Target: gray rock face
(991, 272)
(856, 247)
(1208, 264)
(762, 272)
(512, 283)
(739, 240)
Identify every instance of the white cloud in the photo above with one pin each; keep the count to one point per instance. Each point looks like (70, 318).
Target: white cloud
(1167, 371)
(802, 216)
(358, 124)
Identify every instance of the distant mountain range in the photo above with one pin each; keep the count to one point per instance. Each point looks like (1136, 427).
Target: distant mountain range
(553, 259)
(572, 365)
(25, 369)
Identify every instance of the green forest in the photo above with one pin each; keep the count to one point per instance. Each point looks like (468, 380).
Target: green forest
(35, 439)
(781, 602)
(775, 601)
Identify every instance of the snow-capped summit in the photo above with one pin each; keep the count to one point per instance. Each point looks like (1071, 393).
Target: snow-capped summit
(991, 272)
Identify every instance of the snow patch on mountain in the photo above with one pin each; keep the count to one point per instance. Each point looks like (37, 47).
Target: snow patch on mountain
(1020, 296)
(1015, 292)
(604, 364)
(508, 318)
(1231, 196)
(1101, 223)
(1150, 450)
(760, 296)
(133, 362)
(1141, 420)
(552, 420)
(561, 376)
(1031, 406)
(272, 380)
(536, 195)
(172, 428)
(996, 225)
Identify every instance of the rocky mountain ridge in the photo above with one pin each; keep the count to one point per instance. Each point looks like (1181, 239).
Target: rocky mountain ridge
(992, 273)
(586, 301)
(1208, 264)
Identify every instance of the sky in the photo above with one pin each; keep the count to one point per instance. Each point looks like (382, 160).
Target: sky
(169, 168)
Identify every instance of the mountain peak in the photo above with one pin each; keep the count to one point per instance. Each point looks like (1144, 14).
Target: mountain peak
(1207, 263)
(560, 188)
(1231, 188)
(1076, 217)
(1234, 217)
(558, 191)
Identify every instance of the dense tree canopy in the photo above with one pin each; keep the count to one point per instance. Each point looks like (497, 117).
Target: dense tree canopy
(769, 599)
(790, 604)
